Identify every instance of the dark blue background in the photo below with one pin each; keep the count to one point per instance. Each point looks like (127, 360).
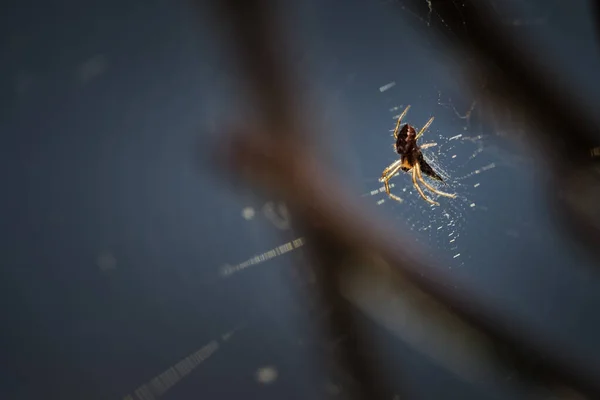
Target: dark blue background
(102, 105)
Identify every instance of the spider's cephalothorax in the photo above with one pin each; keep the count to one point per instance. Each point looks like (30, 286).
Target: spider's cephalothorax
(406, 141)
(411, 159)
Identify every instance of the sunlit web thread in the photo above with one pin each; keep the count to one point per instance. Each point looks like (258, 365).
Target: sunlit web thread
(438, 151)
(432, 151)
(474, 139)
(478, 140)
(413, 14)
(377, 191)
(159, 385)
(432, 156)
(442, 226)
(477, 172)
(228, 270)
(466, 116)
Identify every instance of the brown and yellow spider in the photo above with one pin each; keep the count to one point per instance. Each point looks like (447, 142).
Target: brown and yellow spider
(411, 159)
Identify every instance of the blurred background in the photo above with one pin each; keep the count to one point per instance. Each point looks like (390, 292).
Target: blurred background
(124, 258)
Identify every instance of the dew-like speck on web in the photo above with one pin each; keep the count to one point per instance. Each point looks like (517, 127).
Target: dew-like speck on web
(266, 375)
(332, 389)
(248, 213)
(387, 86)
(92, 68)
(106, 261)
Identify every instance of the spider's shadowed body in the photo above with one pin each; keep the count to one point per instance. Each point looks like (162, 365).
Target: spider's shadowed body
(410, 153)
(411, 160)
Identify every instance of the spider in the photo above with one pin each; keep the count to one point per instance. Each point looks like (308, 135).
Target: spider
(411, 159)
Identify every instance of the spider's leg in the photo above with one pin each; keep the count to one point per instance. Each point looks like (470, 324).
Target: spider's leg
(386, 182)
(390, 194)
(417, 168)
(424, 128)
(388, 169)
(400, 121)
(414, 179)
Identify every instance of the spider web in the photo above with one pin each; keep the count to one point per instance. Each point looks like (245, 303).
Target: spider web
(456, 156)
(459, 155)
(464, 145)
(463, 153)
(186, 276)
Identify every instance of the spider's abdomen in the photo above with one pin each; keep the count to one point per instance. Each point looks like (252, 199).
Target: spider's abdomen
(408, 161)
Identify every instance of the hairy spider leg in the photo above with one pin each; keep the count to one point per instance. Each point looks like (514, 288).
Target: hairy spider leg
(417, 167)
(424, 128)
(416, 185)
(388, 174)
(386, 183)
(400, 118)
(388, 169)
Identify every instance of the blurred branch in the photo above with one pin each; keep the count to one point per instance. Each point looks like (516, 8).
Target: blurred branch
(262, 52)
(515, 78)
(259, 45)
(559, 124)
(276, 156)
(595, 6)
